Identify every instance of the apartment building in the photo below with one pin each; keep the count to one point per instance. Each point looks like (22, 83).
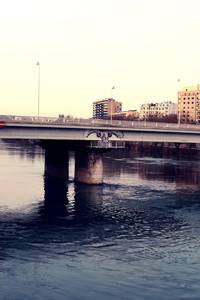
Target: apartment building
(189, 104)
(157, 110)
(126, 115)
(103, 109)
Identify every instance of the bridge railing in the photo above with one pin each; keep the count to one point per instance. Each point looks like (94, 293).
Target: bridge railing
(95, 122)
(129, 124)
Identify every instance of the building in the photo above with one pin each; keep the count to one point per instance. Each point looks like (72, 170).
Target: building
(157, 110)
(126, 115)
(189, 104)
(104, 109)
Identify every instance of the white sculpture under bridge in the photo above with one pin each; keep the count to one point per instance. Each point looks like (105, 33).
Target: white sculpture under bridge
(107, 139)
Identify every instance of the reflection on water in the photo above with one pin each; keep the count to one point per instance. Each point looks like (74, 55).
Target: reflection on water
(134, 237)
(55, 196)
(176, 174)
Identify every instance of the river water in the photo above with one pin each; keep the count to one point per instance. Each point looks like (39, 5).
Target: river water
(135, 237)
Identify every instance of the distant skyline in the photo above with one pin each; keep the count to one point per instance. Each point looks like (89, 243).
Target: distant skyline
(87, 47)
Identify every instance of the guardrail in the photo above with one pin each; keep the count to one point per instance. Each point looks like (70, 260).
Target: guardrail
(109, 145)
(96, 122)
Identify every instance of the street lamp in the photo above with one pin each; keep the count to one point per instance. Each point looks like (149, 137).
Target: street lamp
(112, 90)
(38, 65)
(179, 103)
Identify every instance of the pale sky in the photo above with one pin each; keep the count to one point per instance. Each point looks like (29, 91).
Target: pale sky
(87, 46)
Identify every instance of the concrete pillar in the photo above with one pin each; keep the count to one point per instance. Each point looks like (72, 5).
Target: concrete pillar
(88, 201)
(56, 162)
(88, 167)
(55, 197)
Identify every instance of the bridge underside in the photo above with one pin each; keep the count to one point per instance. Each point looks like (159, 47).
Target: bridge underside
(102, 134)
(89, 144)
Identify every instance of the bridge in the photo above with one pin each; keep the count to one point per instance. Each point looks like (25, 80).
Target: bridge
(89, 138)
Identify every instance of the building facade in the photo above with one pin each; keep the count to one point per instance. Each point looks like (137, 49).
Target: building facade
(104, 109)
(157, 110)
(126, 115)
(189, 104)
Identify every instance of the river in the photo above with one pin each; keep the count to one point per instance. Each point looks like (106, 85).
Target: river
(137, 236)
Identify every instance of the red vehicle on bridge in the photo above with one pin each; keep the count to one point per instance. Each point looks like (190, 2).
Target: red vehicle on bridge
(2, 124)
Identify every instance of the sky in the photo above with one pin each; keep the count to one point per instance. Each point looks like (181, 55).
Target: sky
(85, 47)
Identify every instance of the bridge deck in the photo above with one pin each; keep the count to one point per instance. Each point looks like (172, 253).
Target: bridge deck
(94, 130)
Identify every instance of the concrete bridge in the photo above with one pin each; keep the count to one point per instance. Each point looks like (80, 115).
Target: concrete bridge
(89, 139)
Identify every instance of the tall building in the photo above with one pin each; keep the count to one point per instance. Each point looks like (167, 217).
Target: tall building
(158, 110)
(189, 104)
(103, 109)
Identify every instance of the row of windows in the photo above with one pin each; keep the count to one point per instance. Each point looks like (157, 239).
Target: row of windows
(100, 107)
(100, 115)
(188, 108)
(99, 111)
(188, 98)
(156, 107)
(191, 94)
(155, 110)
(188, 102)
(184, 115)
(187, 120)
(155, 114)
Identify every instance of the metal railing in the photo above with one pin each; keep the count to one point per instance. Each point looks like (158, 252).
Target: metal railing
(109, 145)
(96, 122)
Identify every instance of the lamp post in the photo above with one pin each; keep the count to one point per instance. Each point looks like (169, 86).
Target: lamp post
(38, 107)
(112, 90)
(179, 103)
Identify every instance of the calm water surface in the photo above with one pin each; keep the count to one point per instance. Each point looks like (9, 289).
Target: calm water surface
(135, 237)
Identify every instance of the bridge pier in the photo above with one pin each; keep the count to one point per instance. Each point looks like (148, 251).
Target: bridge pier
(56, 162)
(88, 162)
(88, 166)
(55, 196)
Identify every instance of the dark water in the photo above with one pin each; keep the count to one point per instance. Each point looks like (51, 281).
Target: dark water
(135, 237)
